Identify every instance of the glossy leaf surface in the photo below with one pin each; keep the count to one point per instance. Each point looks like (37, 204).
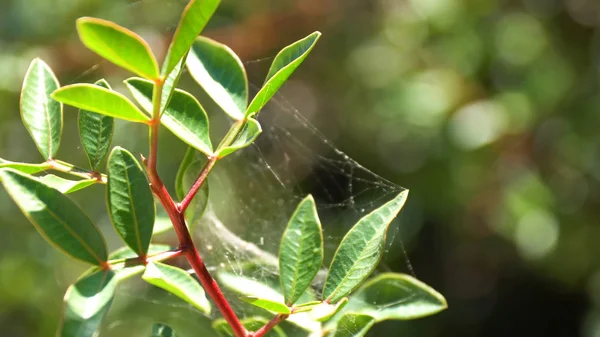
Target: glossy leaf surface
(56, 217)
(66, 186)
(192, 164)
(25, 167)
(353, 325)
(162, 330)
(100, 100)
(179, 283)
(360, 251)
(96, 132)
(251, 324)
(41, 114)
(170, 85)
(118, 45)
(184, 116)
(86, 304)
(274, 306)
(221, 74)
(193, 20)
(246, 137)
(130, 201)
(285, 63)
(301, 251)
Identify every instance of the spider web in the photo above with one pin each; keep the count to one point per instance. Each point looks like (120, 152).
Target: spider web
(253, 192)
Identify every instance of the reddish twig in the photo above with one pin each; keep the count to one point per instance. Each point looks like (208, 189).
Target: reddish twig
(270, 325)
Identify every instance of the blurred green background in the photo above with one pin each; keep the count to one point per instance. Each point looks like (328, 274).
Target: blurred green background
(487, 110)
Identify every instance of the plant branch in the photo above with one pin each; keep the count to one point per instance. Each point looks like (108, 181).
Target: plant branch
(71, 169)
(183, 205)
(138, 261)
(270, 325)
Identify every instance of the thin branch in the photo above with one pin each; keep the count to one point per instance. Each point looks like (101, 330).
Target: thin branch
(71, 169)
(269, 326)
(183, 205)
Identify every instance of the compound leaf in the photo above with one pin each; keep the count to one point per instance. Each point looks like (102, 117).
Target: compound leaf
(96, 132)
(352, 325)
(274, 306)
(130, 201)
(247, 135)
(25, 167)
(360, 251)
(193, 20)
(67, 186)
(285, 63)
(86, 304)
(162, 330)
(184, 115)
(100, 100)
(178, 282)
(42, 115)
(56, 217)
(118, 45)
(221, 74)
(301, 251)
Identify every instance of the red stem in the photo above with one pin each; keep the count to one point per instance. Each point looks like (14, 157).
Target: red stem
(183, 205)
(270, 325)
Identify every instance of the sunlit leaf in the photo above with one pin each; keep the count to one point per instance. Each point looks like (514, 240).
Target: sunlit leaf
(360, 251)
(67, 186)
(247, 135)
(397, 296)
(192, 164)
(194, 18)
(170, 84)
(96, 132)
(56, 217)
(179, 283)
(325, 311)
(301, 251)
(274, 306)
(41, 114)
(221, 74)
(86, 304)
(118, 45)
(352, 325)
(125, 271)
(100, 100)
(25, 167)
(184, 116)
(130, 201)
(162, 330)
(251, 324)
(285, 63)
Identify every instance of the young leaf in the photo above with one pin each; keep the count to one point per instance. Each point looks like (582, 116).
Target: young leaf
(118, 45)
(130, 201)
(247, 135)
(42, 116)
(397, 296)
(288, 59)
(100, 100)
(195, 16)
(178, 282)
(86, 304)
(184, 115)
(274, 306)
(301, 251)
(221, 74)
(254, 323)
(360, 251)
(353, 325)
(162, 330)
(325, 311)
(60, 221)
(96, 132)
(192, 164)
(25, 167)
(66, 186)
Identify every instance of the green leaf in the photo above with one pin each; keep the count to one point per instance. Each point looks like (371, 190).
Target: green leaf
(96, 132)
(397, 296)
(184, 115)
(221, 74)
(325, 311)
(130, 201)
(86, 304)
(42, 116)
(118, 45)
(274, 306)
(194, 18)
(100, 100)
(192, 164)
(170, 85)
(66, 186)
(360, 251)
(178, 282)
(123, 253)
(25, 167)
(301, 251)
(247, 135)
(285, 63)
(251, 324)
(60, 221)
(162, 330)
(353, 325)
